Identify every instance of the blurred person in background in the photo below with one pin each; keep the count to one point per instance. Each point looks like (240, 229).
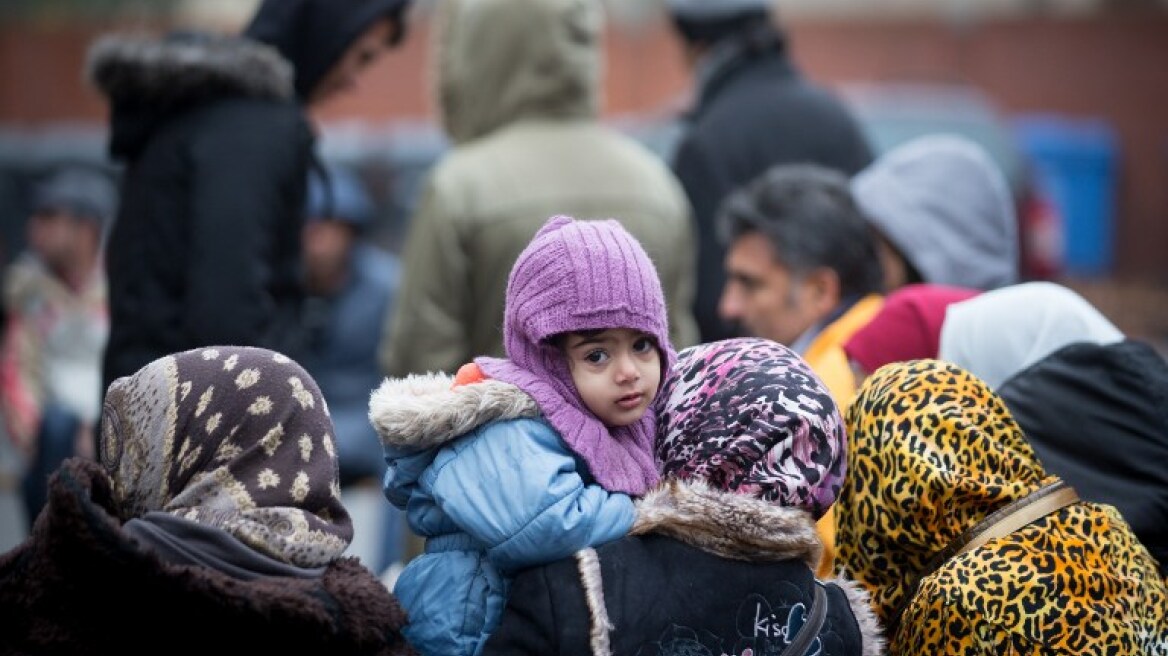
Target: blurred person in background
(210, 523)
(943, 214)
(57, 325)
(907, 327)
(518, 84)
(802, 270)
(801, 266)
(217, 144)
(352, 287)
(752, 109)
(1043, 317)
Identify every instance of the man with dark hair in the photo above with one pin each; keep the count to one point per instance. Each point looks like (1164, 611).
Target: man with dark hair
(801, 266)
(802, 270)
(753, 109)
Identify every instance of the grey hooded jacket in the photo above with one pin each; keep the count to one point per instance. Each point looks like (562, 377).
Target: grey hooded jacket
(945, 206)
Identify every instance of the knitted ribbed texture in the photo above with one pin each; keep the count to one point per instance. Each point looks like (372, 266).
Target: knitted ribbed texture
(573, 276)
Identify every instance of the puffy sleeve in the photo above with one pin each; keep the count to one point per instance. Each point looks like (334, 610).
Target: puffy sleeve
(514, 486)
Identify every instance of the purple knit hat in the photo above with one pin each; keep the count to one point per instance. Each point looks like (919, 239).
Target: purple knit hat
(574, 276)
(749, 416)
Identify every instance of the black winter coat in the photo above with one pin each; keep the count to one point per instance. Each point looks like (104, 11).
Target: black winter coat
(754, 110)
(1097, 416)
(705, 572)
(81, 585)
(206, 246)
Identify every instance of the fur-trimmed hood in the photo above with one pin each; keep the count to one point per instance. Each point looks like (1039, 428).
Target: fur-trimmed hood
(728, 525)
(148, 79)
(144, 69)
(423, 411)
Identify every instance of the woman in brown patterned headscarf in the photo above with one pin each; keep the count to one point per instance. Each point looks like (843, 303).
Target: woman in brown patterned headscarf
(213, 517)
(933, 457)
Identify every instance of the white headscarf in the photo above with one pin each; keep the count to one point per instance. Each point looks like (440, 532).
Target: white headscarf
(999, 333)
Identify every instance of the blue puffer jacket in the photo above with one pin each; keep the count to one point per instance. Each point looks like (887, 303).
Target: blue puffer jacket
(493, 489)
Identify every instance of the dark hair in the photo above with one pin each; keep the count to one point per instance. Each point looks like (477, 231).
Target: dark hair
(808, 214)
(560, 340)
(710, 30)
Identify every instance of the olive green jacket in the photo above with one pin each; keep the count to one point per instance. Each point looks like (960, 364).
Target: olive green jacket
(528, 145)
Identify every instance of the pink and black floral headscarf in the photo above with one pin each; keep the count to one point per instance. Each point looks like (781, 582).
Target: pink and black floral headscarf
(749, 416)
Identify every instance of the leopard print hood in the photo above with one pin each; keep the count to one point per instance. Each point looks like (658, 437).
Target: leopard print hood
(423, 411)
(933, 452)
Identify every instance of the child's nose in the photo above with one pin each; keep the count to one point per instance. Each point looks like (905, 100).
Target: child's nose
(627, 369)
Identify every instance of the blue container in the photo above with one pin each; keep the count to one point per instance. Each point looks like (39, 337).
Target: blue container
(1076, 162)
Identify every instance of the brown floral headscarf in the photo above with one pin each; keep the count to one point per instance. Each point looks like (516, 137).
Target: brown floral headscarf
(236, 438)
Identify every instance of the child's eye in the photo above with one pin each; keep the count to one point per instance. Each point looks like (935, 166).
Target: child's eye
(643, 345)
(595, 357)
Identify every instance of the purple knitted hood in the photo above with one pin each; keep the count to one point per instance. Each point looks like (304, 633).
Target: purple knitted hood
(574, 276)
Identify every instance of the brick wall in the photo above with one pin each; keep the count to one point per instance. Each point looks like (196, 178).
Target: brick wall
(1110, 67)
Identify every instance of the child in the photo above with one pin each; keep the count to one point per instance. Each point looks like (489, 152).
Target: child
(216, 501)
(721, 557)
(525, 460)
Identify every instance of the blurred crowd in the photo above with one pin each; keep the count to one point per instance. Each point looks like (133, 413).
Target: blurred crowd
(849, 420)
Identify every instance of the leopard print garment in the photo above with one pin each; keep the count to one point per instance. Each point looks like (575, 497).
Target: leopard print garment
(236, 438)
(932, 452)
(749, 416)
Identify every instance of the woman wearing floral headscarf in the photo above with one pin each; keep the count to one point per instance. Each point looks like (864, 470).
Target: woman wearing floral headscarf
(212, 519)
(967, 545)
(721, 557)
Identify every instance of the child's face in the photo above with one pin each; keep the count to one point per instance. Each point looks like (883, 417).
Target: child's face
(616, 372)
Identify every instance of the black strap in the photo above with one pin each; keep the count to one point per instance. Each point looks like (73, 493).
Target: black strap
(809, 631)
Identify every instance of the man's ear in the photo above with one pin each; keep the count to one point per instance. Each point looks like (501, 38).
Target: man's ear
(822, 287)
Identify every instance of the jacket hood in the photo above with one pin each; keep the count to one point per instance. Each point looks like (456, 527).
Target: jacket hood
(314, 34)
(503, 60)
(946, 207)
(423, 411)
(728, 525)
(956, 455)
(1097, 415)
(146, 79)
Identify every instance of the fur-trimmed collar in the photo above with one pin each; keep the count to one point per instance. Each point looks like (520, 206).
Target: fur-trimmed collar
(176, 70)
(422, 411)
(728, 525)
